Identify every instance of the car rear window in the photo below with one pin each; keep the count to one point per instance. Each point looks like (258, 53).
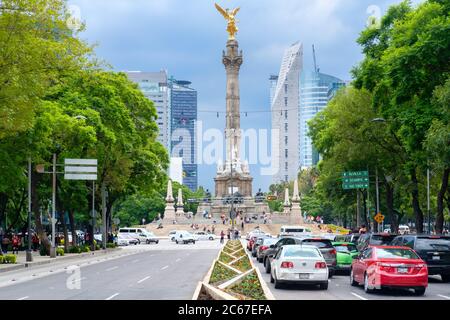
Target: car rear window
(381, 239)
(300, 253)
(396, 253)
(269, 241)
(439, 244)
(345, 248)
(319, 243)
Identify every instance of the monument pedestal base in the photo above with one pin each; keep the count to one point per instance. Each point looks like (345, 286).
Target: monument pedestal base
(169, 213)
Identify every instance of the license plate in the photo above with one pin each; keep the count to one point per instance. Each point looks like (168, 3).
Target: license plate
(436, 258)
(303, 275)
(402, 270)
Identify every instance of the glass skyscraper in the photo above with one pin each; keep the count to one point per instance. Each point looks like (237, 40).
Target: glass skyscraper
(183, 118)
(316, 90)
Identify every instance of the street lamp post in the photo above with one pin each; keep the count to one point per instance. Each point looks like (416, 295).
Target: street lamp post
(53, 248)
(29, 256)
(378, 198)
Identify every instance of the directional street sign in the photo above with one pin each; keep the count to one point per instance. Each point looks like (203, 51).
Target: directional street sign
(355, 180)
(272, 198)
(80, 169)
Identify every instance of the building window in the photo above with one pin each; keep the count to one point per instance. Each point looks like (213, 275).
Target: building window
(285, 88)
(286, 127)
(286, 178)
(285, 140)
(285, 165)
(286, 153)
(285, 101)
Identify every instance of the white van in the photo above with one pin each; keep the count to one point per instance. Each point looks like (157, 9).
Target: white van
(402, 229)
(141, 234)
(182, 236)
(295, 231)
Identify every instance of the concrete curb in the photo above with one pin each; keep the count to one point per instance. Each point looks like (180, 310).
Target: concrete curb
(24, 265)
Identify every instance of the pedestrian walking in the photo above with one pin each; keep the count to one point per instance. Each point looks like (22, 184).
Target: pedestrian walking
(236, 234)
(228, 234)
(242, 225)
(15, 244)
(5, 244)
(35, 241)
(222, 237)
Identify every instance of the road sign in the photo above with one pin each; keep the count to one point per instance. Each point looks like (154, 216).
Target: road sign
(379, 218)
(80, 169)
(355, 180)
(272, 198)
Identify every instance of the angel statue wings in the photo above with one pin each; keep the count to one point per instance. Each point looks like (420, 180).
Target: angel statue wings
(229, 15)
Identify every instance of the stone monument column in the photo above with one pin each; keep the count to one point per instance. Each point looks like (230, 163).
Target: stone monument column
(286, 204)
(296, 211)
(169, 212)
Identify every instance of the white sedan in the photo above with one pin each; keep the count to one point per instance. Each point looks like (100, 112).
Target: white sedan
(299, 264)
(198, 236)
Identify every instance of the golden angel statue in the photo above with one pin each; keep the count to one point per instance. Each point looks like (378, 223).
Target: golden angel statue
(230, 17)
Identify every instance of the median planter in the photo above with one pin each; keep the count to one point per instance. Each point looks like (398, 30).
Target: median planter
(232, 276)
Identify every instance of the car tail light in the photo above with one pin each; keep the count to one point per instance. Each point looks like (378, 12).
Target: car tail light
(333, 252)
(287, 264)
(320, 265)
(386, 267)
(263, 248)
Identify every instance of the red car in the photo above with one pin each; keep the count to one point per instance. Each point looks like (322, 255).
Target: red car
(251, 242)
(379, 267)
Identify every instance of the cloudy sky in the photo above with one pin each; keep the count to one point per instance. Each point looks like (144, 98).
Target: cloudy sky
(186, 37)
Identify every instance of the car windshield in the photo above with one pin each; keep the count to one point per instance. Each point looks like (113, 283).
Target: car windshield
(381, 239)
(319, 243)
(294, 230)
(396, 253)
(345, 248)
(440, 244)
(300, 252)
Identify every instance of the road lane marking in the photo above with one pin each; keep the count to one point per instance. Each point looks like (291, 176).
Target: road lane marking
(23, 298)
(164, 267)
(445, 297)
(142, 280)
(177, 260)
(137, 260)
(358, 296)
(112, 268)
(113, 296)
(78, 280)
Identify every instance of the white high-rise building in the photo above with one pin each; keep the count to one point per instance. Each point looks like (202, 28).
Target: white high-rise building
(154, 86)
(285, 113)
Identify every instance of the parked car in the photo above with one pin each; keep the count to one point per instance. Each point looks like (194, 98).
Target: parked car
(172, 235)
(433, 249)
(137, 233)
(131, 239)
(263, 247)
(251, 242)
(150, 237)
(328, 251)
(379, 267)
(201, 235)
(273, 249)
(345, 253)
(123, 240)
(375, 239)
(185, 237)
(403, 229)
(299, 264)
(257, 243)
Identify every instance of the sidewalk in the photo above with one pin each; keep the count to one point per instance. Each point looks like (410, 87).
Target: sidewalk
(40, 260)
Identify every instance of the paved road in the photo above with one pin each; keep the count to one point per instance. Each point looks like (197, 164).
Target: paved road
(339, 288)
(164, 271)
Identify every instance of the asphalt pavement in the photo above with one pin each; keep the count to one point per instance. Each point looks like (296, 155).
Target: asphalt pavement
(157, 271)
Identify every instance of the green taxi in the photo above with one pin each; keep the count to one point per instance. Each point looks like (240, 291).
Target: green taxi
(345, 253)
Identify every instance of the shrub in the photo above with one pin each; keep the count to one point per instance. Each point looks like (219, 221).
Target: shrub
(10, 258)
(43, 251)
(85, 249)
(242, 264)
(221, 273)
(74, 249)
(1, 259)
(249, 287)
(59, 251)
(111, 245)
(97, 247)
(225, 258)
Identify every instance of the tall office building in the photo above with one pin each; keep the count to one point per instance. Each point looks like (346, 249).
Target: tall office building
(316, 90)
(183, 118)
(154, 86)
(285, 113)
